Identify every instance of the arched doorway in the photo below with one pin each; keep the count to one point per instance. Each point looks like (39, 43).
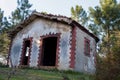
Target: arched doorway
(26, 51)
(49, 49)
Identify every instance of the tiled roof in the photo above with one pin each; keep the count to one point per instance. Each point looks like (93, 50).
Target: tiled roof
(59, 18)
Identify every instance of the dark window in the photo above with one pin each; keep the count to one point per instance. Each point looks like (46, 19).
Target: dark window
(26, 52)
(87, 47)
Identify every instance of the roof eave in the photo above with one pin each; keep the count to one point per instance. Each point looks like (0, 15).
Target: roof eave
(59, 18)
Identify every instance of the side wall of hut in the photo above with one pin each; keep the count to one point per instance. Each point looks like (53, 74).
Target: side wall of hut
(84, 62)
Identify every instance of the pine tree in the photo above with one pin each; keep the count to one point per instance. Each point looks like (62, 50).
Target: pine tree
(3, 22)
(106, 20)
(21, 12)
(3, 36)
(79, 14)
(4, 44)
(1, 19)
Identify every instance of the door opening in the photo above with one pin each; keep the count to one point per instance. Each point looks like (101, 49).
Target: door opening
(49, 51)
(26, 52)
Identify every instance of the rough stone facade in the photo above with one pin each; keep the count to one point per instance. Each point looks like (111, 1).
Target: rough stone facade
(69, 45)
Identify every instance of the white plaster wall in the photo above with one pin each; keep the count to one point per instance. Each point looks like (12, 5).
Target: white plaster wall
(16, 51)
(84, 63)
(36, 29)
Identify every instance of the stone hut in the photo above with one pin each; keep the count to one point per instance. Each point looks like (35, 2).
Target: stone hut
(46, 40)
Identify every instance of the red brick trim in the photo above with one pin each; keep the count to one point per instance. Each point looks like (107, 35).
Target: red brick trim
(73, 44)
(57, 51)
(23, 47)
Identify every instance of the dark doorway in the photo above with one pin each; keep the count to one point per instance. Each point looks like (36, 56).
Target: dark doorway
(49, 51)
(26, 52)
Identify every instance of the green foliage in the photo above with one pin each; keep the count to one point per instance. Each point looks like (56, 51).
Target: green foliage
(108, 68)
(1, 19)
(79, 14)
(3, 22)
(105, 20)
(4, 44)
(44, 12)
(106, 16)
(21, 12)
(4, 41)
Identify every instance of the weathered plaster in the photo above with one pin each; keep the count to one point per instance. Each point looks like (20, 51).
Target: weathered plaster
(82, 62)
(67, 42)
(36, 29)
